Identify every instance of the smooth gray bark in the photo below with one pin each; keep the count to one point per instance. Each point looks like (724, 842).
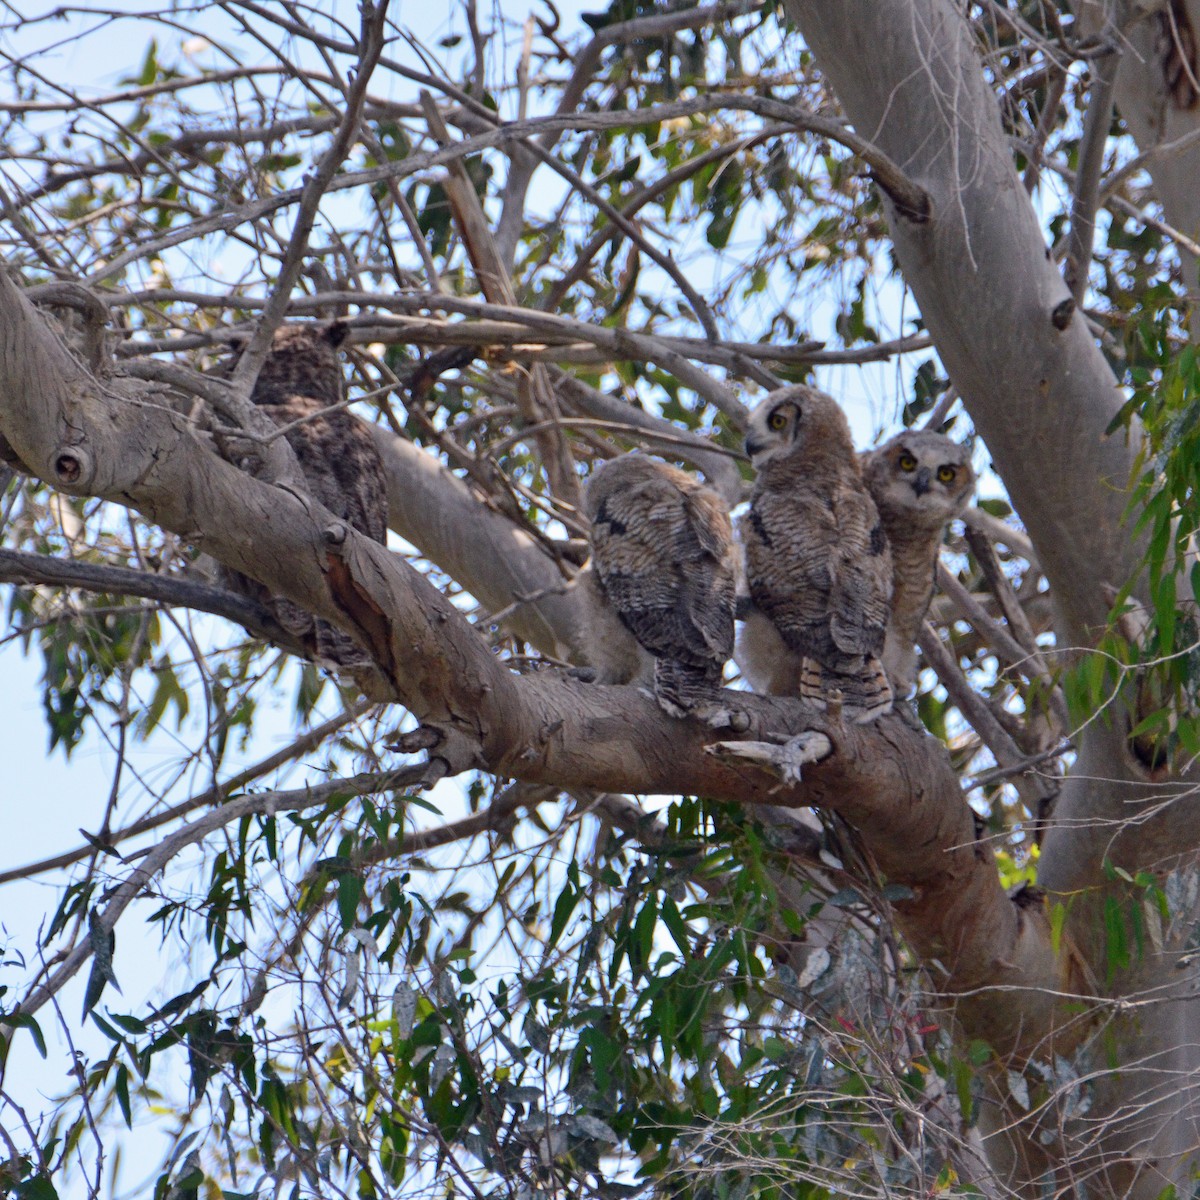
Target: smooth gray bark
(1164, 128)
(1042, 398)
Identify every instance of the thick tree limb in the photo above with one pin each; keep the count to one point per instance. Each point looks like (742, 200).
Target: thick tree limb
(1043, 399)
(888, 780)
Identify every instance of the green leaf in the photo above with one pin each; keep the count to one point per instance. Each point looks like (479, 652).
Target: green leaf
(26, 1021)
(37, 1188)
(564, 906)
(1058, 918)
(121, 1086)
(349, 893)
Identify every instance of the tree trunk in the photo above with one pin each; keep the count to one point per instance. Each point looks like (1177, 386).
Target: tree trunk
(1042, 397)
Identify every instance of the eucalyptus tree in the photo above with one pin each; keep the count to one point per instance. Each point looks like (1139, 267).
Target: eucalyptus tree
(514, 932)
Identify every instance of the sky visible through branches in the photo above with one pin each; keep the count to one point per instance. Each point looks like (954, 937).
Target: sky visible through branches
(48, 795)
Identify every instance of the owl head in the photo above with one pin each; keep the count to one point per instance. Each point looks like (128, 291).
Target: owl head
(920, 476)
(796, 420)
(303, 361)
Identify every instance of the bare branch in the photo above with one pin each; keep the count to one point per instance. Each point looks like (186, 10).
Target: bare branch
(27, 569)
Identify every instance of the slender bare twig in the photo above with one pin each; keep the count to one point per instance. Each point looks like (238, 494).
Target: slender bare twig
(972, 706)
(907, 195)
(535, 397)
(374, 17)
(1002, 642)
(214, 795)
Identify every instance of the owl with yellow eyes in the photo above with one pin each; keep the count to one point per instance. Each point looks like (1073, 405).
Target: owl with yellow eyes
(920, 481)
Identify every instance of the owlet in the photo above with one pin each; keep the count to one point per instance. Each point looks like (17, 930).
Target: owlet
(663, 558)
(920, 481)
(817, 562)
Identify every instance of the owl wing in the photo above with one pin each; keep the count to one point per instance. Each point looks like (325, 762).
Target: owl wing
(360, 471)
(790, 540)
(671, 592)
(860, 575)
(710, 576)
(339, 461)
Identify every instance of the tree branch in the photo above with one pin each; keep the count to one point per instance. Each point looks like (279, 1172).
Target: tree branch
(889, 781)
(26, 569)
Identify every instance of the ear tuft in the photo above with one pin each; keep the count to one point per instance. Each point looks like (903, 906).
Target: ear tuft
(336, 332)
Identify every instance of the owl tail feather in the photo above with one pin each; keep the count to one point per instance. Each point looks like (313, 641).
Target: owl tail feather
(861, 688)
(683, 690)
(680, 688)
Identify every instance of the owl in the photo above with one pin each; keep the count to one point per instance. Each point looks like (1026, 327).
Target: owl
(919, 481)
(336, 453)
(817, 563)
(663, 563)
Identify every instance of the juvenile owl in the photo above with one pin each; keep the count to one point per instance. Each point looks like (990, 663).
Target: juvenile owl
(663, 561)
(818, 566)
(919, 481)
(336, 453)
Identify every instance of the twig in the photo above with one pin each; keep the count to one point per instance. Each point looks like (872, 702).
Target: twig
(23, 569)
(264, 803)
(534, 394)
(1087, 181)
(255, 354)
(1046, 118)
(642, 197)
(1000, 531)
(972, 706)
(213, 795)
(998, 774)
(997, 637)
(909, 196)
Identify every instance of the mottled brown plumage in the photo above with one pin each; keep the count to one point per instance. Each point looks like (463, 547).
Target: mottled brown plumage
(336, 452)
(920, 481)
(817, 562)
(663, 560)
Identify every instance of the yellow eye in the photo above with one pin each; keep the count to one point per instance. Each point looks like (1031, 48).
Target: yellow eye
(778, 419)
(946, 474)
(907, 462)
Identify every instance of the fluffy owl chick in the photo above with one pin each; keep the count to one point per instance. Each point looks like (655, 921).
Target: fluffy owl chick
(301, 376)
(919, 481)
(818, 566)
(662, 552)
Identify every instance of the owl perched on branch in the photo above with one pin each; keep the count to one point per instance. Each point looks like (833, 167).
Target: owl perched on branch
(818, 565)
(301, 377)
(920, 481)
(663, 562)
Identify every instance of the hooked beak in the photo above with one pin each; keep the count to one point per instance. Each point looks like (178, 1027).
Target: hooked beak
(921, 483)
(754, 448)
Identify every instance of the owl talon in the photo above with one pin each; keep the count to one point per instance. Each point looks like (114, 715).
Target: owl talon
(784, 760)
(724, 718)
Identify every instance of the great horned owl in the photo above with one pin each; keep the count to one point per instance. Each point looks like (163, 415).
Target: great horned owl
(663, 562)
(919, 481)
(336, 453)
(818, 566)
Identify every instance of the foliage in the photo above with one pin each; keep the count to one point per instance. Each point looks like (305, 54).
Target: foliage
(374, 990)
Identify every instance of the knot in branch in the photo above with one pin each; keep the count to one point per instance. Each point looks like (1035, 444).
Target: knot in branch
(73, 467)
